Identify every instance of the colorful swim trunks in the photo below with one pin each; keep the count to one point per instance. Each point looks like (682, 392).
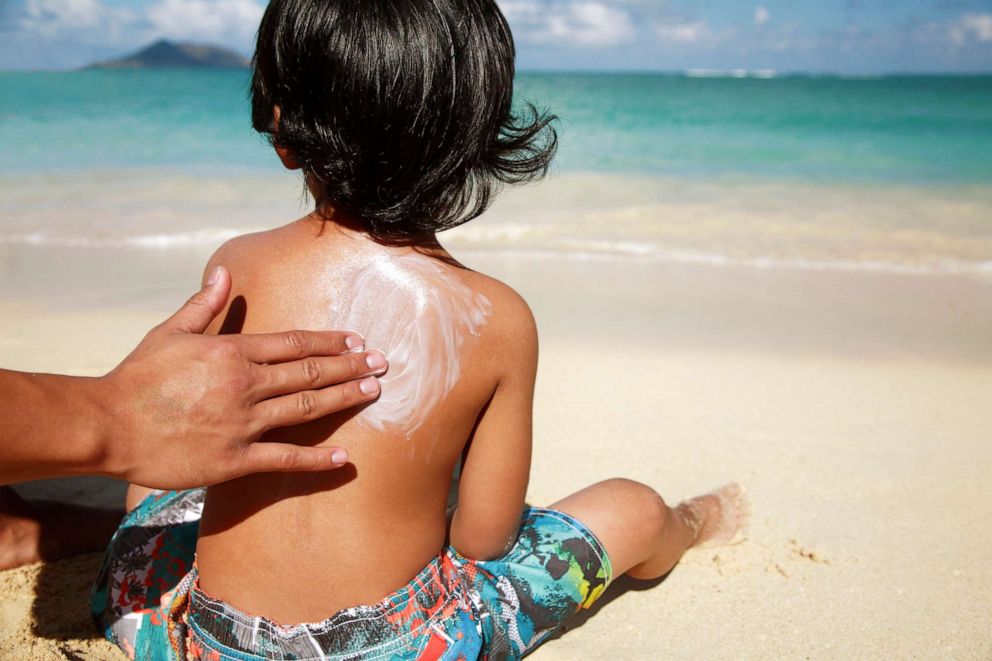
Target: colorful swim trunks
(147, 599)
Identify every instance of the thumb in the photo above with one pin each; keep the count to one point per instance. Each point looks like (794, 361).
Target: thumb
(199, 311)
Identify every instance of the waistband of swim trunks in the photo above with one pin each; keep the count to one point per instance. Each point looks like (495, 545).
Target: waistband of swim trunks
(402, 614)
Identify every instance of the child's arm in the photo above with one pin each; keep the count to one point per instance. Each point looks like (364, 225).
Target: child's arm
(496, 467)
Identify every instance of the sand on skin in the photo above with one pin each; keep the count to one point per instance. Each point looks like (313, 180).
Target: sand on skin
(854, 407)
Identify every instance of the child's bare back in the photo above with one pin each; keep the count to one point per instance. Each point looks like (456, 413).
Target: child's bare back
(296, 547)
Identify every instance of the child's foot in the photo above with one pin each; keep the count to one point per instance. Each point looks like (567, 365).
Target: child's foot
(719, 517)
(32, 532)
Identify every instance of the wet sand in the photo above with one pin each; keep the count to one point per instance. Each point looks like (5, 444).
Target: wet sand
(854, 406)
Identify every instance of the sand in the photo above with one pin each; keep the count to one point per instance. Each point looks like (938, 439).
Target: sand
(854, 406)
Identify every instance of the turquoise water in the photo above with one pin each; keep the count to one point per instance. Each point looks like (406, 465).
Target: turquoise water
(897, 129)
(889, 129)
(811, 172)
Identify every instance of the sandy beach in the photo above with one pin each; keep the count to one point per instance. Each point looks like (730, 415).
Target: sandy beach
(853, 405)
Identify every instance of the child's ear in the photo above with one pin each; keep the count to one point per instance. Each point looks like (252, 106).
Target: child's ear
(285, 154)
(288, 158)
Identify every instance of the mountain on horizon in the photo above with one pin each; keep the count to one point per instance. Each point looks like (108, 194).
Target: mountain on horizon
(164, 54)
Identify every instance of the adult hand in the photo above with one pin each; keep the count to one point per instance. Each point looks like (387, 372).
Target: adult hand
(188, 410)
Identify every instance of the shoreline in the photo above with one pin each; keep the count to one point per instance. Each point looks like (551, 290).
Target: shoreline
(762, 223)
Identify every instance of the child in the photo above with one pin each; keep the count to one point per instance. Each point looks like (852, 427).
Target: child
(399, 115)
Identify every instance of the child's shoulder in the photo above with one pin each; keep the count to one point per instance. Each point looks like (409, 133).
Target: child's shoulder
(508, 321)
(511, 313)
(259, 258)
(510, 337)
(249, 251)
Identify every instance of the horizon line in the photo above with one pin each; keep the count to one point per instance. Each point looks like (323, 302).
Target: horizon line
(690, 72)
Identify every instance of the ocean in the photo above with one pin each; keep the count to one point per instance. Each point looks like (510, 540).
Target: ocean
(886, 173)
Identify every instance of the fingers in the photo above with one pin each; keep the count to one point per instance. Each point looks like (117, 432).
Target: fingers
(301, 407)
(316, 373)
(199, 311)
(294, 345)
(287, 458)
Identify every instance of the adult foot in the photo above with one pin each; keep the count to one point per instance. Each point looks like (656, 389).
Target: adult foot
(35, 531)
(719, 517)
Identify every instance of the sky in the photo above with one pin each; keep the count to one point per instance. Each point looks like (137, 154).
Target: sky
(838, 36)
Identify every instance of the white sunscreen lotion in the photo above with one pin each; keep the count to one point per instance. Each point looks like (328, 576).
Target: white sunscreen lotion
(419, 315)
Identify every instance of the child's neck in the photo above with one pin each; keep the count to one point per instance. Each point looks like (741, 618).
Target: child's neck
(326, 217)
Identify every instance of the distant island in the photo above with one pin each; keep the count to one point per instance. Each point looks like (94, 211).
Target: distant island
(165, 54)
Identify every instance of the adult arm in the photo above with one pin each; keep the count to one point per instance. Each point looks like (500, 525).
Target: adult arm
(184, 409)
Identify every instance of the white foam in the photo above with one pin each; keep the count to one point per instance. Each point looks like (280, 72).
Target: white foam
(204, 237)
(619, 251)
(731, 73)
(527, 241)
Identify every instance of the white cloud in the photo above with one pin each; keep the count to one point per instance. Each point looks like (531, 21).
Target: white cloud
(62, 12)
(227, 21)
(795, 41)
(692, 32)
(525, 11)
(761, 15)
(586, 23)
(971, 27)
(50, 18)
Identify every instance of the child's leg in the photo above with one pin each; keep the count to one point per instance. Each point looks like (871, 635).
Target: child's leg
(40, 530)
(135, 494)
(645, 538)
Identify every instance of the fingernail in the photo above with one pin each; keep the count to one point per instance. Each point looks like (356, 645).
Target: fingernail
(375, 359)
(369, 386)
(214, 276)
(354, 342)
(339, 457)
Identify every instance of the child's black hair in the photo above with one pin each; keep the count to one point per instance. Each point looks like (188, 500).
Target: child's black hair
(400, 111)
